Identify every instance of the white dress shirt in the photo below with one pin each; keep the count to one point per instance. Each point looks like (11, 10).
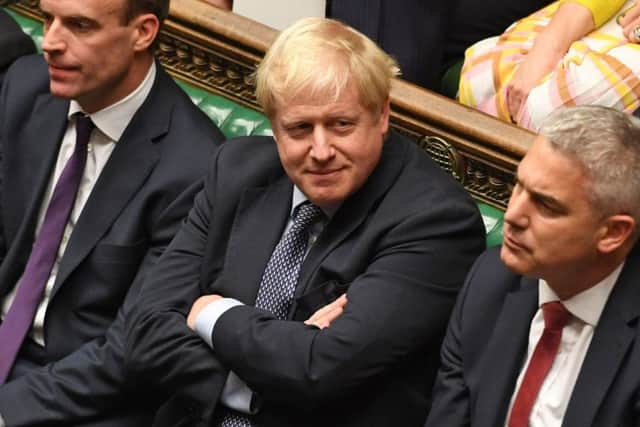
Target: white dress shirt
(236, 394)
(110, 124)
(555, 392)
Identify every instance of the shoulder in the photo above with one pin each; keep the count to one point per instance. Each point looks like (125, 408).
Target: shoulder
(489, 281)
(28, 75)
(13, 41)
(242, 163)
(424, 185)
(249, 157)
(187, 120)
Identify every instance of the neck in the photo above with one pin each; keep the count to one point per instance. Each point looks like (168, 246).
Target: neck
(134, 76)
(571, 282)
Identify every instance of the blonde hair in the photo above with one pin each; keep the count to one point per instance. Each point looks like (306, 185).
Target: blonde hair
(320, 57)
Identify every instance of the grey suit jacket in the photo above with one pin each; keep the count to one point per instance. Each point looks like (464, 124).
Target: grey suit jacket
(399, 247)
(143, 193)
(486, 343)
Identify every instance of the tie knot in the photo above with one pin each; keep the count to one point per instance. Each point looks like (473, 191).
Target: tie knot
(307, 214)
(555, 315)
(84, 126)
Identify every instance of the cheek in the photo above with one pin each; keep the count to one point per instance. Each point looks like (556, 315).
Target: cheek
(292, 156)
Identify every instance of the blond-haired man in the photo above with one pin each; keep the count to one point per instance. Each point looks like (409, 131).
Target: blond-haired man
(318, 267)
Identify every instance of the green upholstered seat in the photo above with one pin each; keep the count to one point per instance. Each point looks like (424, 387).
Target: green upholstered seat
(235, 120)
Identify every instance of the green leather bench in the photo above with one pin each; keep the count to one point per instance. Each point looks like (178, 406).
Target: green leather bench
(236, 120)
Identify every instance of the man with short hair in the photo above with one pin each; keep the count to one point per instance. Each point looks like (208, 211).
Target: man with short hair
(102, 154)
(318, 267)
(545, 331)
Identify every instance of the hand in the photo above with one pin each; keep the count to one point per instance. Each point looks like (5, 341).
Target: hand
(629, 20)
(198, 306)
(327, 314)
(518, 90)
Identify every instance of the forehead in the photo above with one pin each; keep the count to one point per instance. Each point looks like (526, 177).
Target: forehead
(548, 171)
(88, 8)
(308, 103)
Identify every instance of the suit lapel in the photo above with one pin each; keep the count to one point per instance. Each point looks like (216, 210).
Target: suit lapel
(505, 355)
(257, 228)
(612, 338)
(352, 213)
(39, 148)
(131, 162)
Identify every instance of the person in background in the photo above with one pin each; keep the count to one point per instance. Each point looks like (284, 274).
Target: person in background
(313, 279)
(572, 52)
(545, 331)
(414, 32)
(14, 43)
(102, 154)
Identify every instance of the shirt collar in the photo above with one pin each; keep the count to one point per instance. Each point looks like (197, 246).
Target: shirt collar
(586, 305)
(299, 197)
(114, 119)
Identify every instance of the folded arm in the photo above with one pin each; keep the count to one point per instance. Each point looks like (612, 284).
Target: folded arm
(400, 303)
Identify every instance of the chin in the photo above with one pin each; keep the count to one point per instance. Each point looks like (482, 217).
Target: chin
(61, 91)
(514, 262)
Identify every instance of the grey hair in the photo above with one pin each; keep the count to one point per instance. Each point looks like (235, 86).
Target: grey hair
(607, 144)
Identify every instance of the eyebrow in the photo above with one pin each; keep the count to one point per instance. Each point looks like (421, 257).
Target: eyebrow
(544, 198)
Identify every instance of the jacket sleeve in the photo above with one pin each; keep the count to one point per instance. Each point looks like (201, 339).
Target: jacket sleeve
(451, 396)
(92, 381)
(398, 304)
(162, 353)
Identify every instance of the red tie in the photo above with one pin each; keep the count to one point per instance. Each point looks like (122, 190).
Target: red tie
(555, 317)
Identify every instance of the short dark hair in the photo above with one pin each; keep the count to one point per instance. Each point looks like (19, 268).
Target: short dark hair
(160, 8)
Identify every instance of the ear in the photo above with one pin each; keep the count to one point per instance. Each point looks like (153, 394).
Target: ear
(146, 27)
(616, 231)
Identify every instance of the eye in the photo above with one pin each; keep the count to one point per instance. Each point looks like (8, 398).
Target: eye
(298, 130)
(80, 25)
(342, 125)
(548, 208)
(47, 19)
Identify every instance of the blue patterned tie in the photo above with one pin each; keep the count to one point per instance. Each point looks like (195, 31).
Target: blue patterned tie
(280, 278)
(18, 320)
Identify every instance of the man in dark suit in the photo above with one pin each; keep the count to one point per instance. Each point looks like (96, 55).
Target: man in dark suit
(14, 43)
(346, 331)
(146, 148)
(545, 331)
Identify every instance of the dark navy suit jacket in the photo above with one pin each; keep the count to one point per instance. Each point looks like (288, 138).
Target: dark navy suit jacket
(486, 344)
(143, 193)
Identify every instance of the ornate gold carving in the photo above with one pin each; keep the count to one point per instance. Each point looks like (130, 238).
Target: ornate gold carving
(488, 184)
(207, 69)
(444, 154)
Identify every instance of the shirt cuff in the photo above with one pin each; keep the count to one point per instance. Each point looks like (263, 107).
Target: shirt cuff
(2, 423)
(236, 394)
(208, 316)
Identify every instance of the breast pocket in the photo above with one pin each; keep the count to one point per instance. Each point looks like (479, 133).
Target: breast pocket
(116, 265)
(120, 254)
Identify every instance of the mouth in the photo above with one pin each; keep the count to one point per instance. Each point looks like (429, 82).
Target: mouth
(514, 244)
(325, 173)
(56, 69)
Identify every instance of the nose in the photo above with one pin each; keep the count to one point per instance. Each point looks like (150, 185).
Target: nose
(517, 214)
(321, 148)
(52, 40)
